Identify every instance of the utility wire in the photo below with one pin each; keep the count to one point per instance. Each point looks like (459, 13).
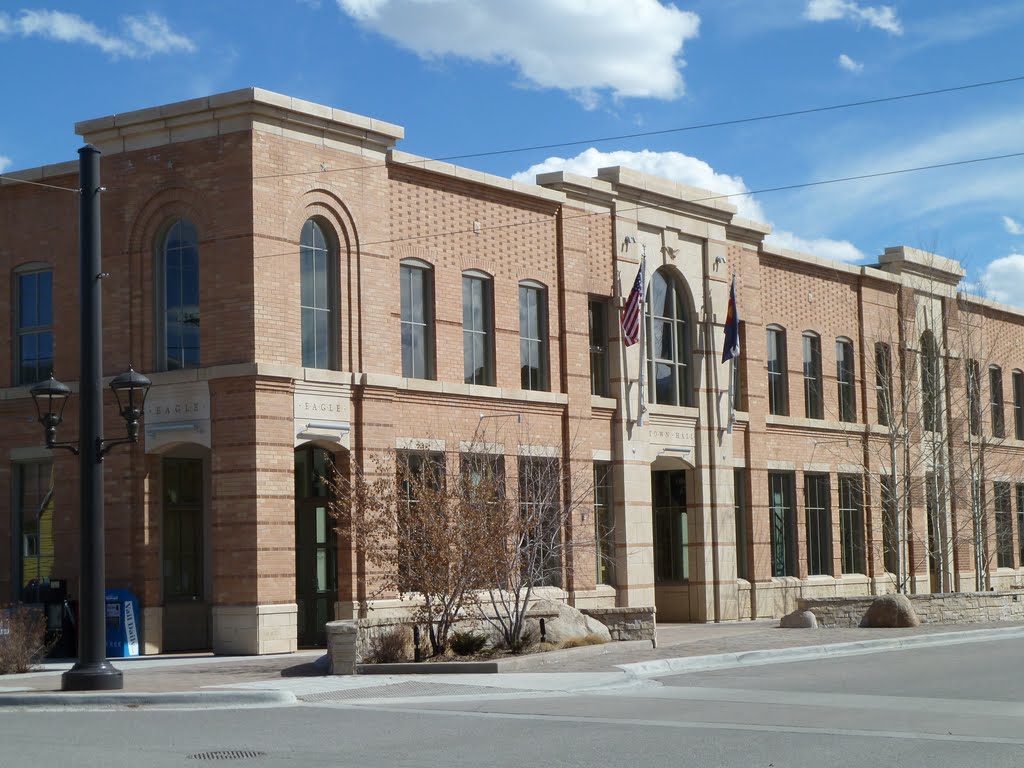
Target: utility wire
(680, 129)
(802, 185)
(38, 183)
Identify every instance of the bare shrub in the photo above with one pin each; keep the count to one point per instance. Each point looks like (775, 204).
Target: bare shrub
(22, 640)
(390, 645)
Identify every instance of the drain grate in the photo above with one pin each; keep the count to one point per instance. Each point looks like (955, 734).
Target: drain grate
(403, 690)
(226, 754)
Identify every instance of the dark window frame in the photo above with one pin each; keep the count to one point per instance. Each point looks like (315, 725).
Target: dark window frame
(416, 286)
(177, 355)
(676, 324)
(846, 381)
(478, 326)
(32, 332)
(597, 318)
(814, 401)
(318, 303)
(534, 356)
(818, 513)
(778, 389)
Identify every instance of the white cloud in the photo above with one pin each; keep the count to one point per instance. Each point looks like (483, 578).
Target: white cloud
(5, 163)
(684, 169)
(630, 48)
(838, 250)
(1013, 226)
(142, 35)
(1003, 280)
(845, 62)
(881, 16)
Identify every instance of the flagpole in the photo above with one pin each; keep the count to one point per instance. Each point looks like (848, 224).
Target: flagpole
(732, 394)
(642, 380)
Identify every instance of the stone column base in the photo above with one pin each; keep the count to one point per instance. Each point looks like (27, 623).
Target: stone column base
(253, 630)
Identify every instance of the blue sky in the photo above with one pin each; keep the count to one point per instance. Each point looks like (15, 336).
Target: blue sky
(470, 76)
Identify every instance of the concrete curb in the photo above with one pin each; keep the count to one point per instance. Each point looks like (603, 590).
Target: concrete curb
(530, 662)
(682, 665)
(121, 700)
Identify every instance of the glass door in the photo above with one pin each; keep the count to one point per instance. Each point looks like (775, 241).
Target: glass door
(316, 570)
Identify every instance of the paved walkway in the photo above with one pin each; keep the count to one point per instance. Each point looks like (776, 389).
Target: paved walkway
(204, 679)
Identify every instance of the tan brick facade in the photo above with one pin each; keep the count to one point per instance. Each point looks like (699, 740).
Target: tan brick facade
(249, 168)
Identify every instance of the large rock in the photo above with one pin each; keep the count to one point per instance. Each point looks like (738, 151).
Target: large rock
(891, 611)
(799, 620)
(567, 624)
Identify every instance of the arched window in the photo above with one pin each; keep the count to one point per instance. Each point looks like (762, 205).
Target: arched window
(930, 383)
(317, 256)
(668, 342)
(178, 319)
(417, 289)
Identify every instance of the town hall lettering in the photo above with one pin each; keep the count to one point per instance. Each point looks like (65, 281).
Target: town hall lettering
(321, 407)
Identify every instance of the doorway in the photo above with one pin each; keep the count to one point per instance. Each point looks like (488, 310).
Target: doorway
(316, 557)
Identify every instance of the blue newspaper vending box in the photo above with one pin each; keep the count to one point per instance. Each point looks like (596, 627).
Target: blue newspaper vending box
(122, 623)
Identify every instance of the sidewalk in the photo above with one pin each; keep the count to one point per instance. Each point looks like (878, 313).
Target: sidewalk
(206, 680)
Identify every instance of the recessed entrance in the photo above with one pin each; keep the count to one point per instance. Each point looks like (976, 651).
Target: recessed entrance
(316, 569)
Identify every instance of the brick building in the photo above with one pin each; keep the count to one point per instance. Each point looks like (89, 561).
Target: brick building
(299, 291)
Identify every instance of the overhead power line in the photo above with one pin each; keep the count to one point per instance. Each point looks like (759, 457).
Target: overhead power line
(709, 198)
(678, 129)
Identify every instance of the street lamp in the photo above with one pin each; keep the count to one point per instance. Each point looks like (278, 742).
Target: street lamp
(51, 396)
(92, 672)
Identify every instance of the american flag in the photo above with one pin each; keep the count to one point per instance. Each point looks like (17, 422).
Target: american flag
(632, 313)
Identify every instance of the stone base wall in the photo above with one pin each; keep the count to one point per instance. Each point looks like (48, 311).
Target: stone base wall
(244, 630)
(635, 623)
(943, 608)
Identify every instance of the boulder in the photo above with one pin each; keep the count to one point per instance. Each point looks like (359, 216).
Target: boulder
(799, 620)
(567, 624)
(891, 611)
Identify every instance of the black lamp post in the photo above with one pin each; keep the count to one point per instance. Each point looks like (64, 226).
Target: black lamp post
(92, 672)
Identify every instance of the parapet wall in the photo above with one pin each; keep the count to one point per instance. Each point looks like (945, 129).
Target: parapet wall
(945, 608)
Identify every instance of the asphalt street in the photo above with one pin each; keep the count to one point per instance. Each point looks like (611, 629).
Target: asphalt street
(939, 706)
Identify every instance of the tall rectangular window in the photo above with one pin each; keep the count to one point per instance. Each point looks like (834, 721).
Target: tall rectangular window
(851, 524)
(671, 532)
(819, 525)
(1004, 526)
(883, 383)
(974, 396)
(604, 523)
(477, 330)
(598, 316)
(533, 336)
(1020, 525)
(539, 488)
(995, 389)
(844, 380)
(417, 289)
(890, 525)
(421, 476)
(777, 390)
(33, 352)
(1018, 405)
(32, 518)
(782, 522)
(183, 529)
(741, 511)
(814, 407)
